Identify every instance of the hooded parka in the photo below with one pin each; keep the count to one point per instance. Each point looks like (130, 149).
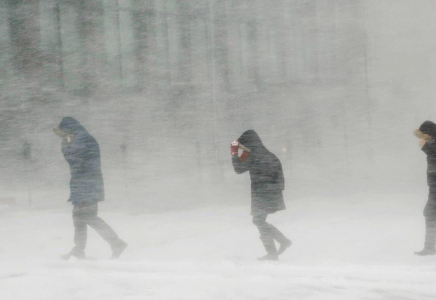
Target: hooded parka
(267, 180)
(82, 153)
(429, 128)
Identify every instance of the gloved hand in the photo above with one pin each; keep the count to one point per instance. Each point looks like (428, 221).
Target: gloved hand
(234, 147)
(59, 132)
(244, 156)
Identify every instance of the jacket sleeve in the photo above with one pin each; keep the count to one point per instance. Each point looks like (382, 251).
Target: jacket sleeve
(429, 148)
(77, 158)
(240, 167)
(281, 178)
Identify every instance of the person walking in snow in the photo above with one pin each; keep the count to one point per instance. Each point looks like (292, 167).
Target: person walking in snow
(267, 184)
(427, 135)
(82, 153)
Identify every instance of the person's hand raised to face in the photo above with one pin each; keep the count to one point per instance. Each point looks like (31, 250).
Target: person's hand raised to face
(422, 142)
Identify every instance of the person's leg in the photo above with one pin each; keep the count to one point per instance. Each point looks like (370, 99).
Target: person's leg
(106, 232)
(430, 233)
(430, 225)
(430, 237)
(266, 236)
(280, 238)
(80, 234)
(269, 229)
(261, 224)
(80, 228)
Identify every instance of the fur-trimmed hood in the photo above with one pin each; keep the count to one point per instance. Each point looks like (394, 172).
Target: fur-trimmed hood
(427, 131)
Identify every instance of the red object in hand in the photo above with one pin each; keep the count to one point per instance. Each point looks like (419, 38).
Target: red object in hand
(234, 147)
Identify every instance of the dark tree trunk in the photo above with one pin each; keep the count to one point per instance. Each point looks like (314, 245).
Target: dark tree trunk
(25, 39)
(91, 32)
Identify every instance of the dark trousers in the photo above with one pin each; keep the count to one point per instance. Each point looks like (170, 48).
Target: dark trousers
(430, 219)
(430, 232)
(268, 233)
(84, 215)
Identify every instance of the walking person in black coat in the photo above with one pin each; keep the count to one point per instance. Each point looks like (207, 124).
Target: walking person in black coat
(427, 135)
(82, 153)
(267, 184)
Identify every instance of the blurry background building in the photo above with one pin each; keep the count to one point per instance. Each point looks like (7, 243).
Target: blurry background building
(334, 88)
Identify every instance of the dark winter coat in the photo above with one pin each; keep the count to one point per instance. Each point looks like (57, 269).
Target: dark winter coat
(83, 155)
(267, 181)
(429, 149)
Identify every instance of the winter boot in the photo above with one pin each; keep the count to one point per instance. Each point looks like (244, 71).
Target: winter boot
(283, 246)
(270, 247)
(284, 242)
(426, 251)
(118, 249)
(269, 256)
(80, 254)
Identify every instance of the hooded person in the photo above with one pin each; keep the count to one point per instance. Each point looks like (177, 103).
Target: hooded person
(267, 185)
(427, 135)
(82, 153)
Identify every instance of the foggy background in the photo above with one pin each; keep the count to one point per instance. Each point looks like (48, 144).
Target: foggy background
(334, 88)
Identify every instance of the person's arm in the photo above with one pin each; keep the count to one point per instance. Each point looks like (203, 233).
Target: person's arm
(281, 178)
(78, 157)
(240, 167)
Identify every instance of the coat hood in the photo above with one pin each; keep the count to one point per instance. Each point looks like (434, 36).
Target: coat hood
(251, 140)
(428, 128)
(70, 125)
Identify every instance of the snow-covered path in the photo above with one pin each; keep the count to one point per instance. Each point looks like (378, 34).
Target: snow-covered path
(354, 249)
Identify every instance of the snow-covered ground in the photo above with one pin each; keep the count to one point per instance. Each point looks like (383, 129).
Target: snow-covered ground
(357, 248)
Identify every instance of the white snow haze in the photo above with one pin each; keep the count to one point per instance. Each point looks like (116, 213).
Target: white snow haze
(334, 89)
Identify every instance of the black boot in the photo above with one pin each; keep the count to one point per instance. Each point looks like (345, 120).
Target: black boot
(118, 249)
(426, 251)
(269, 256)
(283, 246)
(270, 247)
(284, 242)
(80, 254)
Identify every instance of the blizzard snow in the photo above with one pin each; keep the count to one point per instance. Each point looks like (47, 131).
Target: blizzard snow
(334, 89)
(210, 253)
